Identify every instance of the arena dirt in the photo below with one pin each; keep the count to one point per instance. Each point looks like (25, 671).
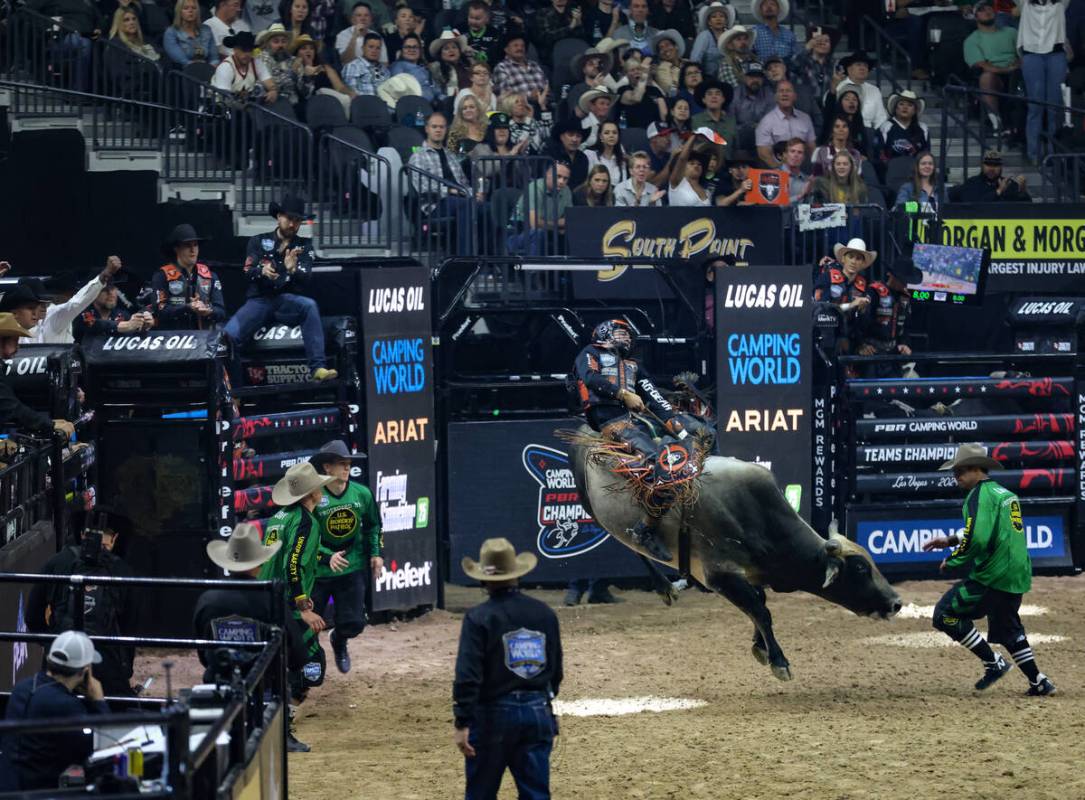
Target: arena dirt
(859, 720)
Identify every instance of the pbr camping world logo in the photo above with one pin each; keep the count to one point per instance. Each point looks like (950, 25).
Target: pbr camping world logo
(769, 184)
(565, 527)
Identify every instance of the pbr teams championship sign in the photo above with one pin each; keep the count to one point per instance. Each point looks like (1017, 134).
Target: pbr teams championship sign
(763, 387)
(513, 479)
(1034, 248)
(399, 423)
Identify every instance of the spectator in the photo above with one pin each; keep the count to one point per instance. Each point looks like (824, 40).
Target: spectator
(734, 49)
(593, 67)
(566, 140)
(555, 22)
(365, 74)
(316, 77)
(188, 295)
(1045, 56)
(673, 15)
(679, 123)
(516, 73)
(594, 106)
(596, 190)
(437, 198)
(669, 47)
(991, 52)
(260, 15)
(923, 188)
(716, 98)
(685, 180)
(409, 62)
(661, 140)
(813, 67)
(127, 32)
(601, 19)
(483, 41)
(450, 70)
(323, 14)
(468, 127)
(497, 143)
(406, 24)
(541, 212)
(712, 20)
(481, 88)
(842, 184)
(775, 70)
(13, 412)
(783, 123)
(635, 190)
(989, 186)
(104, 317)
(350, 42)
(522, 124)
(799, 182)
(636, 30)
(857, 68)
(297, 19)
(772, 39)
(753, 99)
(903, 135)
(279, 63)
(239, 72)
(848, 106)
(36, 760)
(608, 152)
(189, 40)
(689, 78)
(226, 21)
(840, 140)
(731, 189)
(55, 325)
(640, 102)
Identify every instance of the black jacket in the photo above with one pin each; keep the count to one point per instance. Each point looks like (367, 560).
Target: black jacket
(978, 189)
(91, 321)
(82, 15)
(14, 413)
(265, 249)
(509, 643)
(175, 288)
(601, 374)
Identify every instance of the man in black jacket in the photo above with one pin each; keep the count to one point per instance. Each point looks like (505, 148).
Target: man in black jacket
(13, 412)
(508, 668)
(989, 186)
(188, 295)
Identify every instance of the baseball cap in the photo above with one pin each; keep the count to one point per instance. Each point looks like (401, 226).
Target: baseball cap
(753, 68)
(73, 649)
(982, 4)
(655, 129)
(774, 60)
(993, 157)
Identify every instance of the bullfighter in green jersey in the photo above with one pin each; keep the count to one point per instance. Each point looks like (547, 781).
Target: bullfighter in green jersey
(994, 549)
(351, 547)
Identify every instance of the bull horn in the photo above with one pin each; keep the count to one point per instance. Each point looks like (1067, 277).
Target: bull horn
(834, 546)
(832, 571)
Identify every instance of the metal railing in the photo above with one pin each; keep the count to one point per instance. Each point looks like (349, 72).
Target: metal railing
(504, 219)
(893, 63)
(1062, 176)
(355, 197)
(24, 482)
(441, 216)
(870, 222)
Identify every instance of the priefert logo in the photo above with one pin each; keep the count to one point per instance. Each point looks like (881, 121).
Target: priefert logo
(405, 577)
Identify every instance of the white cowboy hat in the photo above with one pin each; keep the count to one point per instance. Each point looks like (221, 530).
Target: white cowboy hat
(972, 455)
(855, 246)
(498, 561)
(243, 551)
(605, 55)
(702, 14)
(731, 33)
(584, 103)
(674, 36)
(276, 29)
(446, 36)
(785, 9)
(849, 86)
(909, 95)
(299, 480)
(607, 45)
(401, 85)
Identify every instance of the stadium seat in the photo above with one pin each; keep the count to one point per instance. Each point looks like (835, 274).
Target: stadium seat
(897, 172)
(344, 188)
(352, 135)
(369, 111)
(404, 140)
(563, 54)
(634, 139)
(502, 205)
(408, 107)
(324, 113)
(199, 70)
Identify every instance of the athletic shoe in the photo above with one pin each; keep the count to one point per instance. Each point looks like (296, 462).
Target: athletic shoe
(572, 596)
(295, 745)
(342, 657)
(321, 374)
(993, 672)
(603, 596)
(1042, 687)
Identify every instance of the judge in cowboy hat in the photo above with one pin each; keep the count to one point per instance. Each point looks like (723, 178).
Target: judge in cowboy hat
(508, 667)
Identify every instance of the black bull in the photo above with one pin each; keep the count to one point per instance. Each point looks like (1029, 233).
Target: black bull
(743, 535)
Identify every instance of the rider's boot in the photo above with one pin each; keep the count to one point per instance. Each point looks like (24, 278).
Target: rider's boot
(645, 535)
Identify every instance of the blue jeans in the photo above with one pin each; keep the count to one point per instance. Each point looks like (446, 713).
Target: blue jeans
(1043, 81)
(283, 309)
(515, 731)
(457, 209)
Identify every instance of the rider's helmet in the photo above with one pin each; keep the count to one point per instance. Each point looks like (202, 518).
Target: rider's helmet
(614, 333)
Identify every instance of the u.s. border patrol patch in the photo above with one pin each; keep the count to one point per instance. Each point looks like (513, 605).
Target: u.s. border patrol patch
(1015, 517)
(525, 652)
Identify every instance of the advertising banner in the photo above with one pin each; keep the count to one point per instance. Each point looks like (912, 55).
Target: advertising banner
(513, 479)
(996, 425)
(1034, 248)
(157, 347)
(763, 383)
(895, 535)
(399, 425)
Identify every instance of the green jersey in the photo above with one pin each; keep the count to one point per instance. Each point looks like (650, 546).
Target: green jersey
(295, 562)
(349, 523)
(994, 540)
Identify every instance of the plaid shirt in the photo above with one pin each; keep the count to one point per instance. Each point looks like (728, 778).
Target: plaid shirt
(782, 43)
(363, 77)
(731, 71)
(523, 78)
(552, 26)
(321, 14)
(427, 159)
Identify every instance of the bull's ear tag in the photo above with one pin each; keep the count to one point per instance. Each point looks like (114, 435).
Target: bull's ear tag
(793, 495)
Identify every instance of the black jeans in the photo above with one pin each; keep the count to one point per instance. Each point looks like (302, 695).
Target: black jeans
(349, 606)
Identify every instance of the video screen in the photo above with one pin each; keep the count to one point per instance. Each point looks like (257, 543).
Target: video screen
(953, 275)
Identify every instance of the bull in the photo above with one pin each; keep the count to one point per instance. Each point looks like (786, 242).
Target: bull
(743, 535)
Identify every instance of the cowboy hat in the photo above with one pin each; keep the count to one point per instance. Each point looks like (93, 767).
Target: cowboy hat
(849, 86)
(401, 85)
(711, 83)
(17, 296)
(585, 101)
(291, 205)
(180, 234)
(9, 327)
(567, 125)
(242, 40)
(299, 480)
(335, 450)
(301, 41)
(855, 246)
(276, 29)
(447, 35)
(593, 52)
(243, 551)
(702, 14)
(498, 561)
(909, 95)
(971, 455)
(856, 57)
(785, 9)
(731, 33)
(607, 45)
(674, 36)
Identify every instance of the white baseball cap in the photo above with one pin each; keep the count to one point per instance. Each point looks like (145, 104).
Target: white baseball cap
(73, 649)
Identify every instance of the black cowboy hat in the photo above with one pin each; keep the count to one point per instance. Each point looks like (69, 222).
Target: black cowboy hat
(242, 40)
(291, 205)
(180, 233)
(335, 450)
(17, 296)
(856, 57)
(38, 287)
(711, 83)
(905, 271)
(740, 157)
(567, 125)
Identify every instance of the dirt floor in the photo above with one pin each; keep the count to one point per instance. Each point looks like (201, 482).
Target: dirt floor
(876, 710)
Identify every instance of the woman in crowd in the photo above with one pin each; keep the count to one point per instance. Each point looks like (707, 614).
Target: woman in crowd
(691, 76)
(468, 127)
(409, 62)
(849, 106)
(597, 190)
(187, 39)
(405, 25)
(316, 77)
(712, 21)
(679, 121)
(640, 102)
(1045, 57)
(608, 152)
(127, 32)
(522, 124)
(295, 17)
(481, 88)
(903, 134)
(842, 184)
(686, 174)
(450, 69)
(497, 143)
(923, 189)
(839, 141)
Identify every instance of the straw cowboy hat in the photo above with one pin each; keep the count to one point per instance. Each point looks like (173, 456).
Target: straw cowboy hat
(593, 52)
(273, 30)
(243, 551)
(401, 85)
(498, 561)
(731, 33)
(674, 36)
(702, 15)
(908, 95)
(301, 41)
(299, 480)
(584, 103)
(855, 246)
(971, 455)
(447, 35)
(785, 9)
(9, 327)
(608, 45)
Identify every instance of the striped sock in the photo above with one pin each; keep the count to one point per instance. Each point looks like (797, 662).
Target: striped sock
(975, 642)
(1027, 662)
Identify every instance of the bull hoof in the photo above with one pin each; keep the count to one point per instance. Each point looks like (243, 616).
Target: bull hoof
(762, 656)
(783, 673)
(669, 596)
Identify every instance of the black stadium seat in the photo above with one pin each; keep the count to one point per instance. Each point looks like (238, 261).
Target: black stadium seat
(407, 109)
(403, 140)
(199, 70)
(564, 53)
(369, 111)
(324, 113)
